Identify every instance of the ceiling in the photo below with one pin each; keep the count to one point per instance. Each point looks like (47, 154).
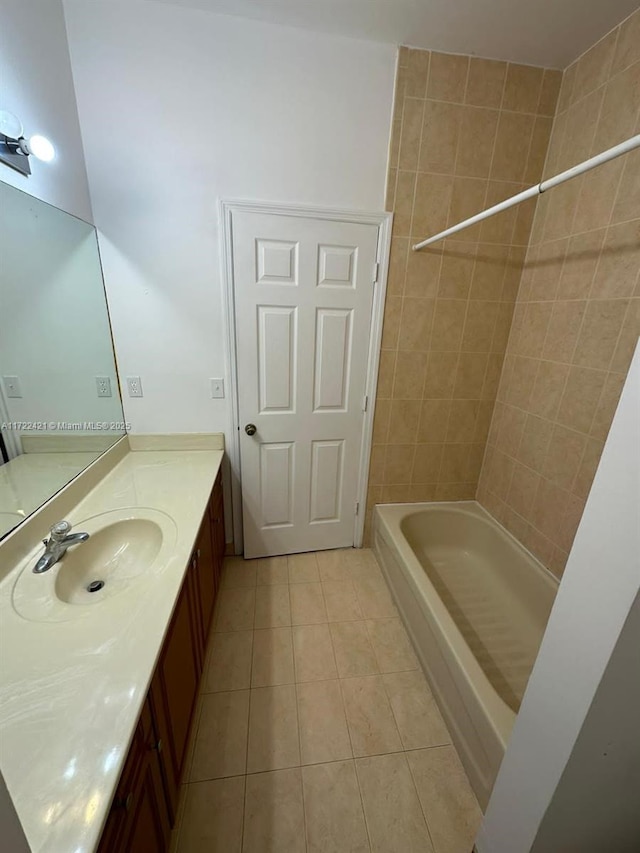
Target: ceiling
(551, 33)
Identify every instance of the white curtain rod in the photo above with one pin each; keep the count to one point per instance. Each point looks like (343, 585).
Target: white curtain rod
(538, 189)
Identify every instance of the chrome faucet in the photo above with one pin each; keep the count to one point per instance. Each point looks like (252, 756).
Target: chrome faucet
(56, 545)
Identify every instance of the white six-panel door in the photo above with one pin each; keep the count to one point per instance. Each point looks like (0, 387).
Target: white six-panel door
(303, 293)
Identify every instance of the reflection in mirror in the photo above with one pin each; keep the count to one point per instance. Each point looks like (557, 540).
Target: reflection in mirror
(59, 401)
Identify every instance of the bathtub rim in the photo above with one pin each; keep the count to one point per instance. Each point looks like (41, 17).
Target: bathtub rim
(497, 718)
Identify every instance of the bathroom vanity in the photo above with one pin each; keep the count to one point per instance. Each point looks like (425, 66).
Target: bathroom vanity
(97, 693)
(144, 806)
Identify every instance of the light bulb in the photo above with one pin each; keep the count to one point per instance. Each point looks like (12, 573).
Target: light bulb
(41, 148)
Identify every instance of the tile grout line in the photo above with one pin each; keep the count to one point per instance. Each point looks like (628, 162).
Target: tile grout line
(470, 106)
(604, 86)
(331, 621)
(422, 808)
(631, 297)
(361, 796)
(582, 320)
(244, 809)
(353, 759)
(475, 262)
(246, 749)
(589, 298)
(515, 302)
(355, 767)
(297, 712)
(304, 809)
(402, 751)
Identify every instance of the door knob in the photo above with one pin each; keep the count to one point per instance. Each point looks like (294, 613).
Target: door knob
(250, 429)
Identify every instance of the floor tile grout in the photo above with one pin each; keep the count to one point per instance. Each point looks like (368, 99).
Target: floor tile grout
(187, 784)
(353, 758)
(355, 767)
(244, 811)
(309, 681)
(303, 624)
(422, 808)
(302, 764)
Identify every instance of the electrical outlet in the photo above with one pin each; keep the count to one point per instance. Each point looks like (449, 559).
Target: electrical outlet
(12, 386)
(217, 389)
(103, 384)
(134, 386)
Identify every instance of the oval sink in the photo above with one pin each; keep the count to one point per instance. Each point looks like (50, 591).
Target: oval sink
(112, 556)
(124, 547)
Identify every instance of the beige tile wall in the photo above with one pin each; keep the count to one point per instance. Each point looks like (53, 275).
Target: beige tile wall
(467, 133)
(577, 315)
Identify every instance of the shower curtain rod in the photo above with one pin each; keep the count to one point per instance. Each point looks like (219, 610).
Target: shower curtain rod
(538, 189)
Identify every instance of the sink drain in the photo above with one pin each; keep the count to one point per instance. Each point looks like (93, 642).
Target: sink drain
(95, 586)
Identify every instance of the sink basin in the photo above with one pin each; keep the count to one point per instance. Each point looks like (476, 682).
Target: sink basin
(125, 548)
(114, 555)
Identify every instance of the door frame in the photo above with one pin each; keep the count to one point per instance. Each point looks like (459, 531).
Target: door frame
(383, 220)
(10, 439)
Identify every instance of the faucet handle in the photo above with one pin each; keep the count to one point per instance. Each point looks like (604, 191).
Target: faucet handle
(60, 530)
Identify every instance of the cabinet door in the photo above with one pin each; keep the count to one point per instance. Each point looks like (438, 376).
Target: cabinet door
(205, 579)
(146, 799)
(174, 690)
(149, 823)
(115, 829)
(138, 821)
(216, 515)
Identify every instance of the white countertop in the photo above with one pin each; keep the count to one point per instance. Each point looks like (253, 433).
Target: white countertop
(71, 692)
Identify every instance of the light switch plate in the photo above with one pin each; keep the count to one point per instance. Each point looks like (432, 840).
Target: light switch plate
(12, 386)
(103, 385)
(134, 386)
(217, 389)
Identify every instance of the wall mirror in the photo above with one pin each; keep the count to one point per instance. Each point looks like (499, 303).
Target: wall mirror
(60, 405)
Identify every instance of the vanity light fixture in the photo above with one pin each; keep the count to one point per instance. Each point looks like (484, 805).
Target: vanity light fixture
(15, 149)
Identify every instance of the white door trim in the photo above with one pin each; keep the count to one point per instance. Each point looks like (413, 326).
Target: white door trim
(11, 439)
(383, 221)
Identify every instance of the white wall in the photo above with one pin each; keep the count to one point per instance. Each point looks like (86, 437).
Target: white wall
(596, 805)
(576, 659)
(37, 86)
(178, 109)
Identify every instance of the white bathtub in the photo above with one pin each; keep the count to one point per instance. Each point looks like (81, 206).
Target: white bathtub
(476, 605)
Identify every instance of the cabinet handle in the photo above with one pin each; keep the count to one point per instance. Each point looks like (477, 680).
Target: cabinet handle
(157, 746)
(198, 553)
(123, 802)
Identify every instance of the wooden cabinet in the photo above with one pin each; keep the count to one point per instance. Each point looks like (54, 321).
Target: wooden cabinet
(138, 821)
(145, 803)
(174, 690)
(205, 580)
(206, 564)
(209, 555)
(216, 518)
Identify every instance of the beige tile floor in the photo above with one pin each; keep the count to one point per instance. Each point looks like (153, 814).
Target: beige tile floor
(316, 730)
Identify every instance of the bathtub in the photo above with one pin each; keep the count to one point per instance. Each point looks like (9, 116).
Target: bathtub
(476, 605)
